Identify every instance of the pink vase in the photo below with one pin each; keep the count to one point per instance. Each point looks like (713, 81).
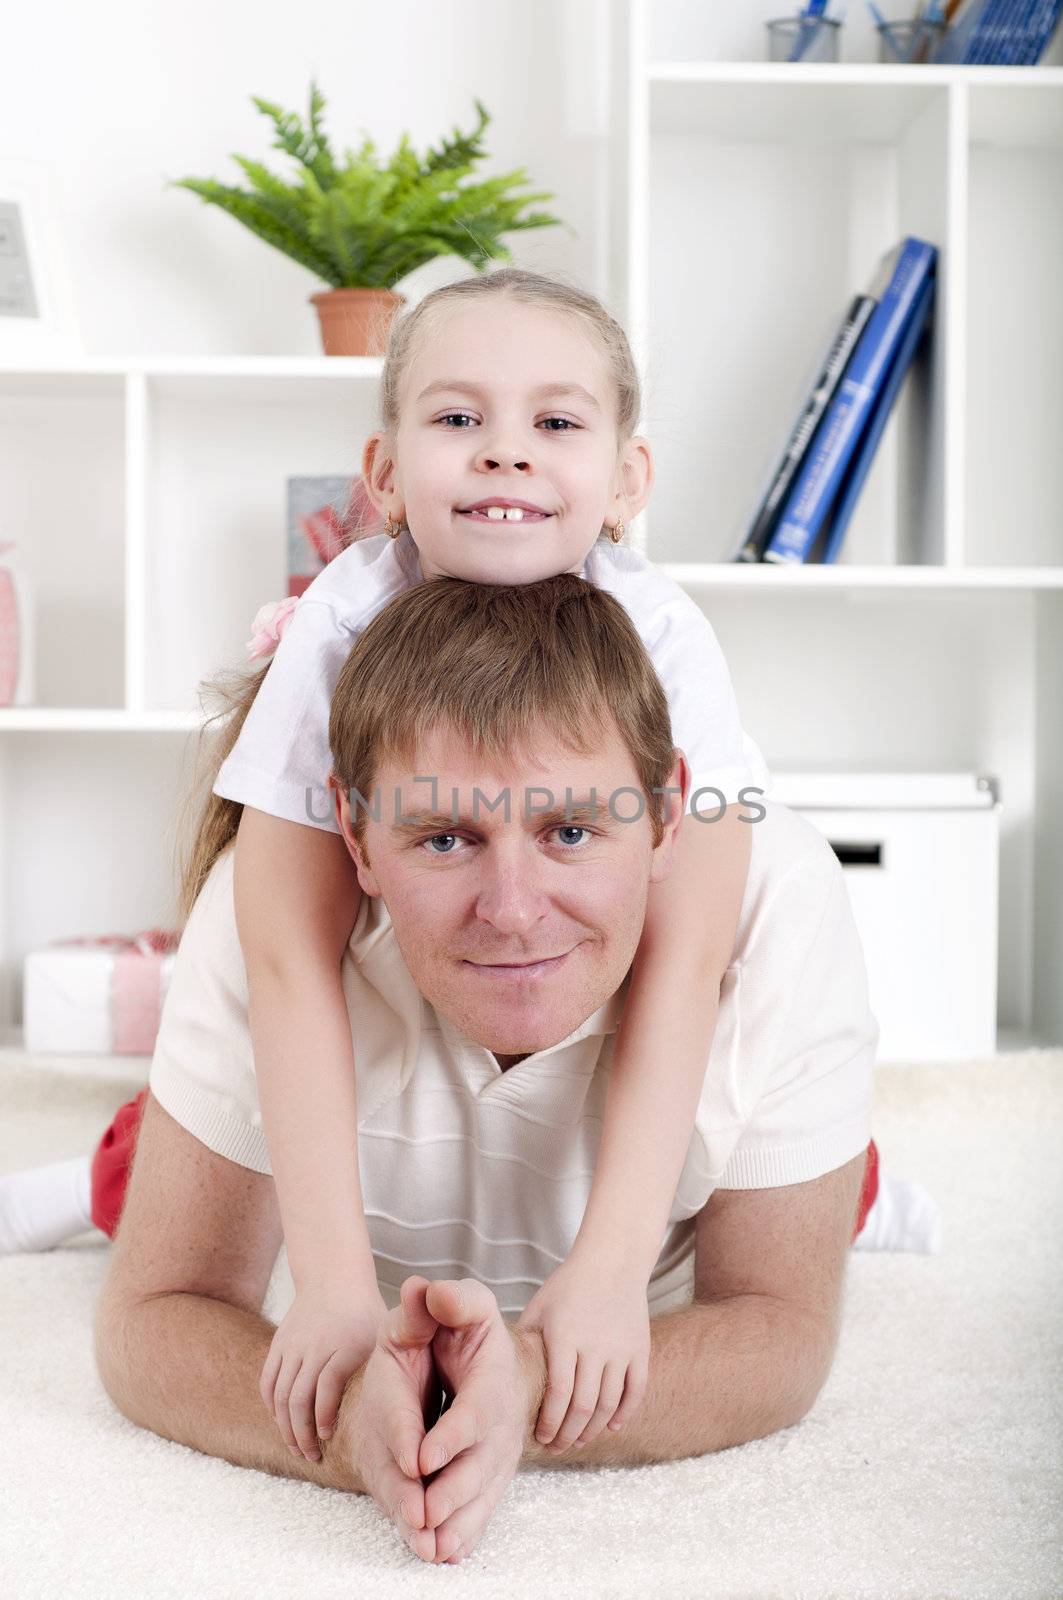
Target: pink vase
(15, 646)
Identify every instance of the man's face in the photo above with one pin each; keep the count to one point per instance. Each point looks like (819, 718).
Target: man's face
(478, 904)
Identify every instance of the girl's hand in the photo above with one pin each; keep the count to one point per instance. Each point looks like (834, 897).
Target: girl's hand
(328, 1333)
(595, 1325)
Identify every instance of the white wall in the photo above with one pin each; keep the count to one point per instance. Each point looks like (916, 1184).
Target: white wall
(125, 95)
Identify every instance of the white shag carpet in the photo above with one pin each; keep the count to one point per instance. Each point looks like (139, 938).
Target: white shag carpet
(931, 1465)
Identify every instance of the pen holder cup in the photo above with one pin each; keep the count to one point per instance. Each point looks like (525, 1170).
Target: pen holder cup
(803, 39)
(908, 42)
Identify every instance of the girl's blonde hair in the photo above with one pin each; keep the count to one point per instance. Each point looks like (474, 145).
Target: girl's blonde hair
(207, 824)
(550, 293)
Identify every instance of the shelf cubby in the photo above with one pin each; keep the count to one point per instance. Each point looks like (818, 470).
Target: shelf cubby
(218, 451)
(62, 454)
(799, 193)
(1014, 327)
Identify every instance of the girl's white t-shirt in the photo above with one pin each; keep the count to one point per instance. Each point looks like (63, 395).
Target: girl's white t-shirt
(281, 759)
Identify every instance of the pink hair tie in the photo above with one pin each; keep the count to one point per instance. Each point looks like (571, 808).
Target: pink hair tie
(270, 625)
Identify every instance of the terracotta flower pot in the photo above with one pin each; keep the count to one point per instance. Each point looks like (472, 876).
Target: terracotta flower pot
(355, 322)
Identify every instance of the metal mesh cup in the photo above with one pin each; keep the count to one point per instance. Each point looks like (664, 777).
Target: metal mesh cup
(803, 39)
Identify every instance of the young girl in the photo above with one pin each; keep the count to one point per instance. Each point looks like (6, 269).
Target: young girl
(501, 389)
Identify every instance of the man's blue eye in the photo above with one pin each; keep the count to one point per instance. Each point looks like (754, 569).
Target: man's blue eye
(436, 836)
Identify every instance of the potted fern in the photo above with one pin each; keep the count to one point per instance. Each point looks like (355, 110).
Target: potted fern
(361, 227)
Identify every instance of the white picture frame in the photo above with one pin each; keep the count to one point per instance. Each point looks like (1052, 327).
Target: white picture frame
(38, 316)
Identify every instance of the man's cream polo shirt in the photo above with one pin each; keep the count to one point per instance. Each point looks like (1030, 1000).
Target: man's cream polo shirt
(469, 1171)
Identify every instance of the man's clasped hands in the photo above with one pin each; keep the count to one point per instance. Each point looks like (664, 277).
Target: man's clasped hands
(440, 1485)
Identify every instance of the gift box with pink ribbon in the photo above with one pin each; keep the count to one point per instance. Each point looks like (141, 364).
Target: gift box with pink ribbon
(100, 995)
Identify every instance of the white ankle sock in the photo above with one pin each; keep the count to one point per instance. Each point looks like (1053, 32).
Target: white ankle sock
(905, 1216)
(46, 1205)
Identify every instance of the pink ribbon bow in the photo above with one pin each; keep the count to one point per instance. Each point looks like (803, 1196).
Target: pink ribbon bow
(269, 627)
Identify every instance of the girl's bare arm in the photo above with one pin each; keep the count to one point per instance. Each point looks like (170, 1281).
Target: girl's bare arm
(297, 896)
(662, 1046)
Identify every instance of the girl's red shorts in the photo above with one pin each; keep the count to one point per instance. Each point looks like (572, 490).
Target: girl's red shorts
(110, 1168)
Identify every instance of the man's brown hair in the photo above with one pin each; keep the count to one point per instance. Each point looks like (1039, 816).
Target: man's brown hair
(494, 664)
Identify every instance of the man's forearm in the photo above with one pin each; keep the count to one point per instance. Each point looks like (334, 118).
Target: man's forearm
(188, 1367)
(720, 1374)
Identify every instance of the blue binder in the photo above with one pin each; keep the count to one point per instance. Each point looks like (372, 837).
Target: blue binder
(876, 424)
(839, 433)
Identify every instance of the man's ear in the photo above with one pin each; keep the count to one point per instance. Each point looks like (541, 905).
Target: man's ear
(675, 801)
(366, 878)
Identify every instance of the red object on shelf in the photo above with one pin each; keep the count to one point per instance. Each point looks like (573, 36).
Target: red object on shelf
(326, 533)
(12, 633)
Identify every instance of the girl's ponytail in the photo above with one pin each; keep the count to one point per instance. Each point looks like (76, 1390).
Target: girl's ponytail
(207, 823)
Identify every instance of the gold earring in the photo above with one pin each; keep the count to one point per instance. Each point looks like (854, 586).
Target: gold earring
(391, 529)
(617, 533)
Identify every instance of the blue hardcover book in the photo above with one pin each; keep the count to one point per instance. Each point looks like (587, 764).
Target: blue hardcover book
(998, 42)
(959, 37)
(817, 483)
(1029, 49)
(1042, 27)
(876, 423)
(1020, 45)
(1012, 35)
(980, 48)
(804, 432)
(1005, 33)
(966, 31)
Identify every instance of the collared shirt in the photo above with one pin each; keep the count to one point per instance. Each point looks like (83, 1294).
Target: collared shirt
(471, 1171)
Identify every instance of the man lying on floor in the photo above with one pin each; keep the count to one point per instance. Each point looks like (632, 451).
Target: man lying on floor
(480, 1161)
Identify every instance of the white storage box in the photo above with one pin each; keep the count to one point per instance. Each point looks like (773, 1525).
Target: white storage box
(920, 856)
(99, 997)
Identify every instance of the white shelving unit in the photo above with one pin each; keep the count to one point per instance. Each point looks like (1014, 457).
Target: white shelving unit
(747, 203)
(148, 502)
(752, 201)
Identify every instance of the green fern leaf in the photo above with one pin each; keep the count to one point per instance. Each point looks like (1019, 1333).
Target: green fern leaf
(464, 150)
(254, 214)
(363, 224)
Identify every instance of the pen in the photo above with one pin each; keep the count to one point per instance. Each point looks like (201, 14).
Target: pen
(810, 16)
(880, 23)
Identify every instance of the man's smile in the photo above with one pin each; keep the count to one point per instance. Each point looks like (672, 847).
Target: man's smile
(516, 971)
